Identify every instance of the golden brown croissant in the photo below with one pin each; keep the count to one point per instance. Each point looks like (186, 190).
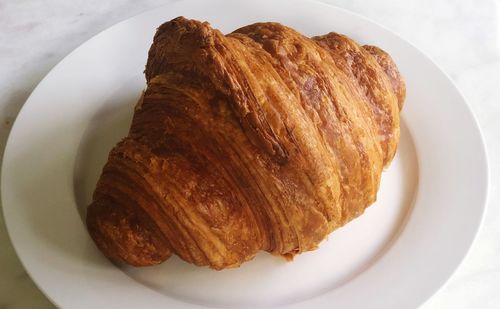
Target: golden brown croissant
(261, 139)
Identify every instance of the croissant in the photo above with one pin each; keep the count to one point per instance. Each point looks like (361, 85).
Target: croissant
(262, 139)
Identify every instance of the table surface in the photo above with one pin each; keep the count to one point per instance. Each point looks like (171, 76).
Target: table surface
(462, 37)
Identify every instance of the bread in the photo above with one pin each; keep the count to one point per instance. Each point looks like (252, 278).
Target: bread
(262, 139)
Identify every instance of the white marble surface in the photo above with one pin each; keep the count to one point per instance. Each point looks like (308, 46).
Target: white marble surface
(462, 36)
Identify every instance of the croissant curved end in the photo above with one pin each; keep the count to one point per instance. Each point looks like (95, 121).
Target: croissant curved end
(124, 236)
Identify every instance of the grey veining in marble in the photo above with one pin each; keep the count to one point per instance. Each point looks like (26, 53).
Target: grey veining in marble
(462, 37)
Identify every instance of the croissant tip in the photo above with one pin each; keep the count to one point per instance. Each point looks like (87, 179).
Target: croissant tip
(122, 238)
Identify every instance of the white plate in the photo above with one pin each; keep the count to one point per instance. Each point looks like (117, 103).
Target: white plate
(396, 255)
